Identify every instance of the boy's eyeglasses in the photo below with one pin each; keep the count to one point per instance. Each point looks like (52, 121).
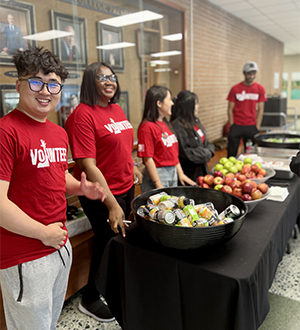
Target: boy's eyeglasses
(103, 77)
(36, 85)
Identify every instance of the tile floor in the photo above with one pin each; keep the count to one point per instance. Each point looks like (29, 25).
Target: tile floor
(284, 296)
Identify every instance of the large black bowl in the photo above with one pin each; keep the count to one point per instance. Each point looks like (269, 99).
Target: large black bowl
(260, 140)
(186, 237)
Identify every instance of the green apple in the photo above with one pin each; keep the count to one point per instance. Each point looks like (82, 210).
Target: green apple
(218, 167)
(258, 164)
(218, 186)
(227, 165)
(248, 160)
(233, 169)
(232, 159)
(223, 160)
(239, 164)
(224, 171)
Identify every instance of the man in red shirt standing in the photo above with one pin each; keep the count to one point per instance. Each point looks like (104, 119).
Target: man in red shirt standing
(245, 109)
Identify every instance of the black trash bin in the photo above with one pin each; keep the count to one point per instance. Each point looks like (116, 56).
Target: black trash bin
(275, 104)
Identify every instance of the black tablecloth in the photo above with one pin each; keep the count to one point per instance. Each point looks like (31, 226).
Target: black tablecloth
(150, 287)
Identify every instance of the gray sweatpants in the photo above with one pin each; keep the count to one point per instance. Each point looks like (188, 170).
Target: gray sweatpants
(34, 292)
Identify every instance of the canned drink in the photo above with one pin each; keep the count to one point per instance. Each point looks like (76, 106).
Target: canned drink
(232, 211)
(205, 212)
(213, 221)
(166, 217)
(211, 207)
(168, 197)
(224, 221)
(142, 211)
(200, 223)
(167, 205)
(191, 213)
(155, 199)
(184, 223)
(179, 215)
(152, 210)
(183, 201)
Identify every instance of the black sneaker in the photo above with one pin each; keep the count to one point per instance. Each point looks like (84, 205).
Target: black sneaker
(97, 310)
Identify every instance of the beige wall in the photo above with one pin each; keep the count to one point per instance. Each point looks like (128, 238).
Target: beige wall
(291, 64)
(221, 46)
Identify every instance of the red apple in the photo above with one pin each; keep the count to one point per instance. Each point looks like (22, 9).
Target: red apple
(228, 181)
(238, 183)
(200, 180)
(218, 180)
(209, 179)
(262, 171)
(246, 197)
(251, 174)
(259, 176)
(241, 177)
(230, 175)
(245, 169)
(246, 188)
(254, 168)
(253, 183)
(263, 187)
(237, 192)
(235, 184)
(227, 189)
(218, 173)
(205, 185)
(256, 194)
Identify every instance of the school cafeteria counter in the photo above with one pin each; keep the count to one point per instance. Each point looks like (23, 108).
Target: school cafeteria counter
(151, 287)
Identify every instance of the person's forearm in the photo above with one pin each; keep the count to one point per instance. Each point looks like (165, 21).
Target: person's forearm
(260, 114)
(152, 172)
(95, 175)
(230, 113)
(13, 219)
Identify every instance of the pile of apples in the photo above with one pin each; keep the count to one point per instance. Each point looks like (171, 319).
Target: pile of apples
(237, 183)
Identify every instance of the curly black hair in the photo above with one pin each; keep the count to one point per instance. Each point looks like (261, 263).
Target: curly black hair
(33, 60)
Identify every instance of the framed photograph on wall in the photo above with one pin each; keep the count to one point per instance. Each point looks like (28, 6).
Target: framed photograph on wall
(9, 98)
(115, 56)
(16, 22)
(72, 50)
(124, 103)
(69, 100)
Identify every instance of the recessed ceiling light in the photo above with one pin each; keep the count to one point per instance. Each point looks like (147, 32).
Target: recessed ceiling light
(163, 70)
(159, 62)
(48, 35)
(134, 18)
(116, 45)
(170, 53)
(173, 37)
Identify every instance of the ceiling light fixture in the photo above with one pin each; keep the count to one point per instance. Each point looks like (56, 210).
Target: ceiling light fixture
(163, 70)
(129, 19)
(163, 54)
(48, 35)
(159, 62)
(173, 37)
(117, 45)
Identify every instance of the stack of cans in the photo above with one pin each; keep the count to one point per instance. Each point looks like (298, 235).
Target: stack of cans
(182, 211)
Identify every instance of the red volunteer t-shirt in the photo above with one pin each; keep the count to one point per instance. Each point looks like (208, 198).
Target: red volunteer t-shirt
(245, 99)
(34, 160)
(105, 134)
(157, 141)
